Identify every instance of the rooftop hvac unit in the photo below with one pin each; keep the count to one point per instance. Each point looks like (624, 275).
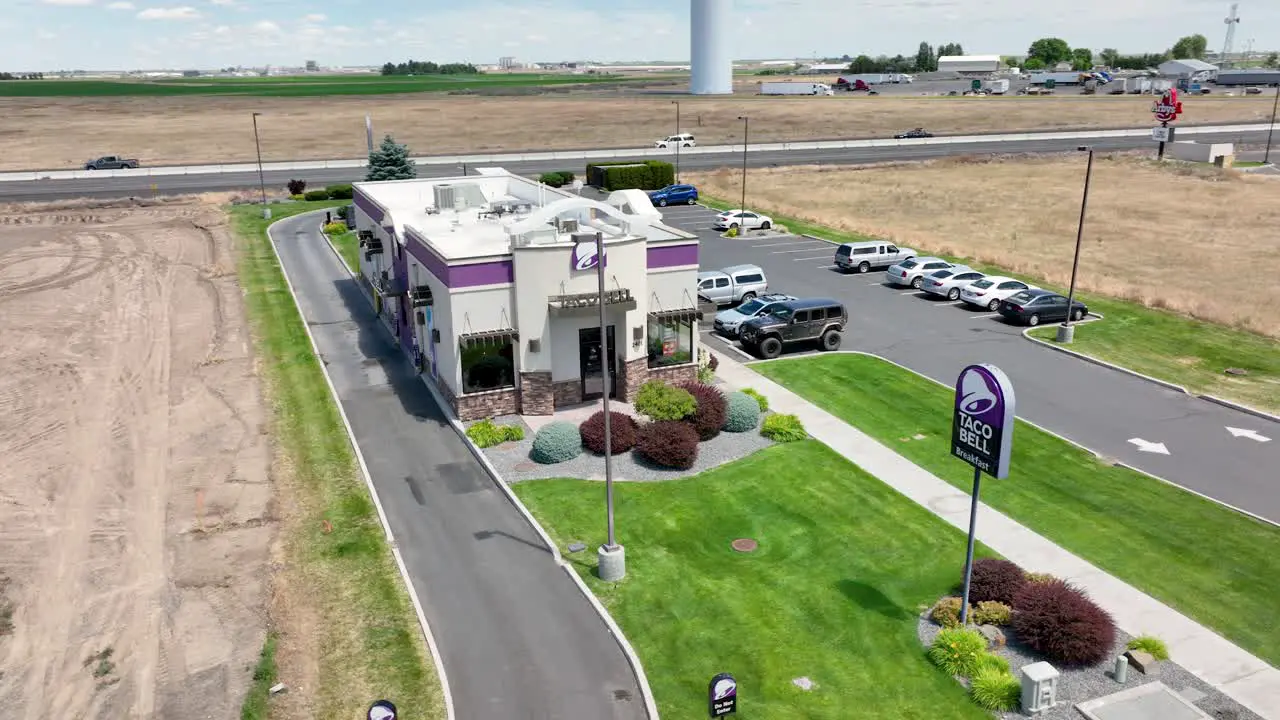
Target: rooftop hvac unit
(444, 197)
(569, 226)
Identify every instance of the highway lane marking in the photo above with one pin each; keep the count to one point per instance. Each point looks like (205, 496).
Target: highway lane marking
(1148, 446)
(1251, 434)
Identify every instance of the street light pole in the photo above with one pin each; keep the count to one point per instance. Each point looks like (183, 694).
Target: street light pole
(746, 134)
(262, 183)
(1066, 333)
(677, 104)
(1266, 158)
(611, 556)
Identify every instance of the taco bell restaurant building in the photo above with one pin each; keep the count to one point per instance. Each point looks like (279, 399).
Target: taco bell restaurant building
(489, 283)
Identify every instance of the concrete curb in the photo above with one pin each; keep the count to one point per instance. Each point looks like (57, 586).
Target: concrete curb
(368, 480)
(1241, 408)
(633, 659)
(1047, 431)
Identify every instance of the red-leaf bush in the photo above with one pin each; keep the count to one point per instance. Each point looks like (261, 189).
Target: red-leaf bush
(1059, 621)
(996, 580)
(668, 443)
(622, 433)
(711, 412)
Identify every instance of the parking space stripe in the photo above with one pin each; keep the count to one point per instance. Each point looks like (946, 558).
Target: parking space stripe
(911, 292)
(781, 244)
(815, 257)
(986, 315)
(801, 250)
(950, 303)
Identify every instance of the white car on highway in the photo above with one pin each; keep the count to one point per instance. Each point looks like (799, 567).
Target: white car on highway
(912, 272)
(990, 290)
(743, 219)
(678, 141)
(948, 283)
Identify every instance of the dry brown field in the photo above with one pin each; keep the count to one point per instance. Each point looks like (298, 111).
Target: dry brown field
(62, 133)
(1197, 241)
(136, 507)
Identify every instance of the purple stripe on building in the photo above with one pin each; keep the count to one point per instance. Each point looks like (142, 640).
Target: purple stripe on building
(368, 207)
(423, 255)
(664, 256)
(458, 276)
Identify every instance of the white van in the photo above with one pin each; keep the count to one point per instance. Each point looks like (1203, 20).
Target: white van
(862, 256)
(681, 140)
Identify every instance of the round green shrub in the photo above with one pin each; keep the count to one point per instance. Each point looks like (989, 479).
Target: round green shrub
(743, 413)
(659, 401)
(958, 651)
(946, 612)
(990, 612)
(556, 443)
(995, 689)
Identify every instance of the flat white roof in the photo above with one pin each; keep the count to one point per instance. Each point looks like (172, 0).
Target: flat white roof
(497, 207)
(969, 58)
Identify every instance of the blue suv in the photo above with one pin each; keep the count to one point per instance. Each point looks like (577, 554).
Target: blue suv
(674, 195)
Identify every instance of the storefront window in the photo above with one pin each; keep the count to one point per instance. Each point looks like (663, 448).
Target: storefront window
(670, 341)
(487, 364)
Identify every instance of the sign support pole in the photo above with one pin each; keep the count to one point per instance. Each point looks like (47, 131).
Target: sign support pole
(968, 557)
(611, 556)
(1159, 156)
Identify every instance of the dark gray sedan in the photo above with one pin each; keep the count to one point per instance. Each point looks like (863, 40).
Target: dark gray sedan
(1032, 307)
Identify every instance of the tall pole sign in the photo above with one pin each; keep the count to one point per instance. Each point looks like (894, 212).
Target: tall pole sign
(981, 435)
(1166, 109)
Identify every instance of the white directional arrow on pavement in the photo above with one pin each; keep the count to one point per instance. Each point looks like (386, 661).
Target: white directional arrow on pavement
(1251, 434)
(1148, 446)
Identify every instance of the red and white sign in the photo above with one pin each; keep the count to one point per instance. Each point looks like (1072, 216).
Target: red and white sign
(1168, 107)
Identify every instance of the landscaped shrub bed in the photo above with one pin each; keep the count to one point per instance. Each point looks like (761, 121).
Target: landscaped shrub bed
(1059, 621)
(743, 413)
(556, 443)
(946, 612)
(622, 433)
(711, 410)
(669, 444)
(486, 433)
(996, 580)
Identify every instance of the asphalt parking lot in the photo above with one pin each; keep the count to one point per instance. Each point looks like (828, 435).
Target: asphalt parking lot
(1116, 415)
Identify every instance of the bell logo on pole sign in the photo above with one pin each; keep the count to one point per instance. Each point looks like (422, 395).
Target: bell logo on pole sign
(982, 426)
(722, 695)
(585, 256)
(382, 710)
(1168, 107)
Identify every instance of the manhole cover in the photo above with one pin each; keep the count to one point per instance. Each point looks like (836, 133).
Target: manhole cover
(745, 545)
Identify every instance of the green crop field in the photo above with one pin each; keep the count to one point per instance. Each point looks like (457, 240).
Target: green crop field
(292, 86)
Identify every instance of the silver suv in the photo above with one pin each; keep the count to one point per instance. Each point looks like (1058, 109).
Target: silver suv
(863, 256)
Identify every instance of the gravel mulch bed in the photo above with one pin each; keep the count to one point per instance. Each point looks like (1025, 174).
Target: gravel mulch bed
(513, 464)
(1077, 685)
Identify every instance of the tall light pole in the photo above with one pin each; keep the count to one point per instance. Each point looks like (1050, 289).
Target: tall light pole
(1066, 333)
(611, 557)
(746, 133)
(262, 182)
(677, 104)
(1266, 157)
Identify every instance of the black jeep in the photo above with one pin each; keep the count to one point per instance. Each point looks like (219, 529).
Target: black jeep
(795, 321)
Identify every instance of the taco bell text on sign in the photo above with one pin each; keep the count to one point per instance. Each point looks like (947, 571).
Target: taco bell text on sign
(722, 695)
(982, 423)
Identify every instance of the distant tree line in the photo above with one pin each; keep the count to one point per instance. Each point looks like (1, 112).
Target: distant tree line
(416, 67)
(21, 76)
(925, 60)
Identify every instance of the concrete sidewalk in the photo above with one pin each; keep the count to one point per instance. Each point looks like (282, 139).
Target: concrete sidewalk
(1243, 677)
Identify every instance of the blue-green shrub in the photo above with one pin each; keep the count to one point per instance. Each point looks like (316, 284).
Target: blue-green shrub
(556, 443)
(744, 413)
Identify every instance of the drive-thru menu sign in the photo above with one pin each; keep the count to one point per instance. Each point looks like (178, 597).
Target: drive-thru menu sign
(982, 423)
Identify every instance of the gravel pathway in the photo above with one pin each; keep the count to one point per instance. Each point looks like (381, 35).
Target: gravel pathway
(513, 464)
(1077, 685)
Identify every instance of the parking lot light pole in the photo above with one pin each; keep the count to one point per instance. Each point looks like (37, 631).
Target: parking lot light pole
(262, 183)
(1066, 333)
(1266, 157)
(677, 104)
(746, 134)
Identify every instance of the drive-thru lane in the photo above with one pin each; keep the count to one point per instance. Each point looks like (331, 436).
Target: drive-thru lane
(1102, 409)
(517, 638)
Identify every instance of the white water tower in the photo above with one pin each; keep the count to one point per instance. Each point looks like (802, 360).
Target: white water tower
(712, 59)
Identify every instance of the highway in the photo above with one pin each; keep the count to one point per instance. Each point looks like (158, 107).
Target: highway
(143, 186)
(517, 638)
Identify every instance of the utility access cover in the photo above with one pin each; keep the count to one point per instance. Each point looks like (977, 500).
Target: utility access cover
(1152, 701)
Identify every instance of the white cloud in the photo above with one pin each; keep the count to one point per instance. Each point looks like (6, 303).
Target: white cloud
(266, 27)
(122, 5)
(224, 3)
(316, 18)
(171, 13)
(45, 35)
(69, 3)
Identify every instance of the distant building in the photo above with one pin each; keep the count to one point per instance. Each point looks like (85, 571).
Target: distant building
(506, 62)
(967, 64)
(312, 66)
(1188, 69)
(1255, 76)
(823, 68)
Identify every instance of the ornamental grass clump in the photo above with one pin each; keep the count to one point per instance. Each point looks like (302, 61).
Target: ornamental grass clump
(994, 689)
(958, 651)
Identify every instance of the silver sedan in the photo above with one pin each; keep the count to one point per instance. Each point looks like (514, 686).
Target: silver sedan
(912, 272)
(947, 283)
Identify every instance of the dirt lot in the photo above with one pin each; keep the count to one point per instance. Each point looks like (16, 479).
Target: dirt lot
(1146, 234)
(135, 503)
(62, 133)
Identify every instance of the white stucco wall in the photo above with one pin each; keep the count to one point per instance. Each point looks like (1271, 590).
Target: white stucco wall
(1198, 152)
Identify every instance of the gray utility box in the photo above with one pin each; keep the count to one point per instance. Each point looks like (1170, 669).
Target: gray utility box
(1039, 687)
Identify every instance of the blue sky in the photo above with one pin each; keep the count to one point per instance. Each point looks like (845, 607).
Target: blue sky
(129, 34)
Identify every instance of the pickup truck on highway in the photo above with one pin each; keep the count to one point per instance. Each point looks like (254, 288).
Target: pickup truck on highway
(110, 162)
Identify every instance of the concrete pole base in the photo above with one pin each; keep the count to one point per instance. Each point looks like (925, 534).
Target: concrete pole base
(1066, 333)
(613, 563)
(266, 213)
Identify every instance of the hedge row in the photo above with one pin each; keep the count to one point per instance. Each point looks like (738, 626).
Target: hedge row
(645, 175)
(333, 192)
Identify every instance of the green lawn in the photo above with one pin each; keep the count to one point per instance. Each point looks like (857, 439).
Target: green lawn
(294, 86)
(1247, 163)
(1159, 343)
(844, 566)
(1213, 564)
(335, 553)
(794, 225)
(348, 246)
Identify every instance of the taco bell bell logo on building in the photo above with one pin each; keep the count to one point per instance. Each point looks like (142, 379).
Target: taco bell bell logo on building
(982, 425)
(585, 256)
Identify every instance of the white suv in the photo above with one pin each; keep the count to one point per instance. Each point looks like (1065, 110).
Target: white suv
(681, 140)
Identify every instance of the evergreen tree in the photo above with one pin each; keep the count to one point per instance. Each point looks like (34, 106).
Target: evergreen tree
(391, 162)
